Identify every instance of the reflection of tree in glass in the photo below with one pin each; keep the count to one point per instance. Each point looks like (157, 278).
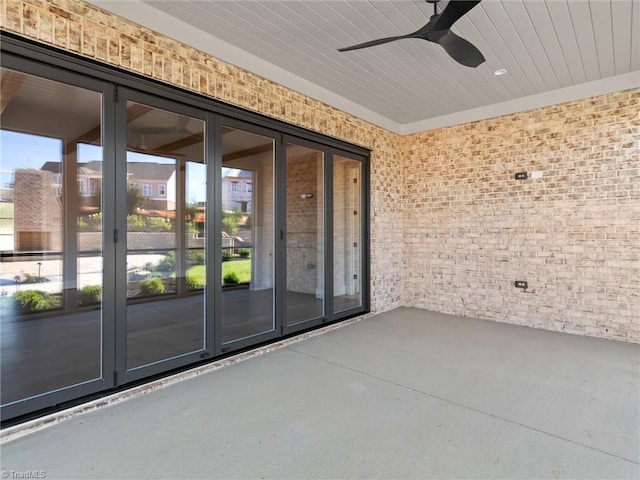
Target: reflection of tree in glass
(192, 211)
(230, 221)
(134, 199)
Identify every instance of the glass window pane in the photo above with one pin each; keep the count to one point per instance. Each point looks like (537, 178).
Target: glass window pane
(50, 235)
(195, 224)
(347, 235)
(247, 235)
(305, 234)
(166, 195)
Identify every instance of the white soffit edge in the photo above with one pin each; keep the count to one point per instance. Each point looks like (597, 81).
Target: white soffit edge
(546, 99)
(149, 17)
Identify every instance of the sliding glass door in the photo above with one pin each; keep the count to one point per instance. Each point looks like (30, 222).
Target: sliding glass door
(163, 212)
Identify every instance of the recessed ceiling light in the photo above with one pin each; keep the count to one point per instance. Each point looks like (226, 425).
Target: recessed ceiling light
(500, 72)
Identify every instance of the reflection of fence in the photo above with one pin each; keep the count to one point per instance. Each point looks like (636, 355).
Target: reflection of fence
(88, 241)
(231, 243)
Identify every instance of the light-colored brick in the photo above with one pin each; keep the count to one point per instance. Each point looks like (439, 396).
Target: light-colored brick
(573, 235)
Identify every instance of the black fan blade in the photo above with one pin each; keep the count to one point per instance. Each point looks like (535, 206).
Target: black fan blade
(461, 50)
(454, 10)
(372, 43)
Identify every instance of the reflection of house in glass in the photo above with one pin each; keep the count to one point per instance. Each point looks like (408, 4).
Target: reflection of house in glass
(89, 181)
(155, 182)
(37, 197)
(237, 188)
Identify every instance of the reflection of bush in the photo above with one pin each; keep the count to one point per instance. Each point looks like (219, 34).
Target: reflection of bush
(244, 252)
(192, 227)
(36, 300)
(226, 256)
(90, 294)
(230, 221)
(194, 282)
(157, 224)
(195, 257)
(135, 223)
(151, 286)
(135, 288)
(231, 278)
(142, 223)
(90, 223)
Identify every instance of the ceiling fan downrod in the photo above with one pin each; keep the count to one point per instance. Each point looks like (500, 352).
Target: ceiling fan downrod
(435, 3)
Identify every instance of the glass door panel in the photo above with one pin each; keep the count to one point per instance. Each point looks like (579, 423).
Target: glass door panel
(166, 196)
(195, 225)
(248, 219)
(347, 233)
(50, 236)
(305, 234)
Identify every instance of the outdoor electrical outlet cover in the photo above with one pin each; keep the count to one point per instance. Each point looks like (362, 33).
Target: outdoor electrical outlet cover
(521, 284)
(521, 176)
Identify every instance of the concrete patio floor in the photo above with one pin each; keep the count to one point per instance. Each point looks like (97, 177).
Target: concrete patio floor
(404, 394)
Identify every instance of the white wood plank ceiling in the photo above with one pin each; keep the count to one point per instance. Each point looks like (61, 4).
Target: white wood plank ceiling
(553, 50)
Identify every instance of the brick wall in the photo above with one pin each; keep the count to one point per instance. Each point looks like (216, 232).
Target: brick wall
(37, 211)
(305, 241)
(471, 229)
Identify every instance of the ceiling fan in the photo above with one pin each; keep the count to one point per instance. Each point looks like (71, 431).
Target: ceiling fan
(438, 30)
(143, 131)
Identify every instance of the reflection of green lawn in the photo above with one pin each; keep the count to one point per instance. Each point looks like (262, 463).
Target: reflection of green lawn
(242, 269)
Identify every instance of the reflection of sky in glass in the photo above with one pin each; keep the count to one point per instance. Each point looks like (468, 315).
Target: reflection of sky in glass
(196, 186)
(23, 150)
(89, 153)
